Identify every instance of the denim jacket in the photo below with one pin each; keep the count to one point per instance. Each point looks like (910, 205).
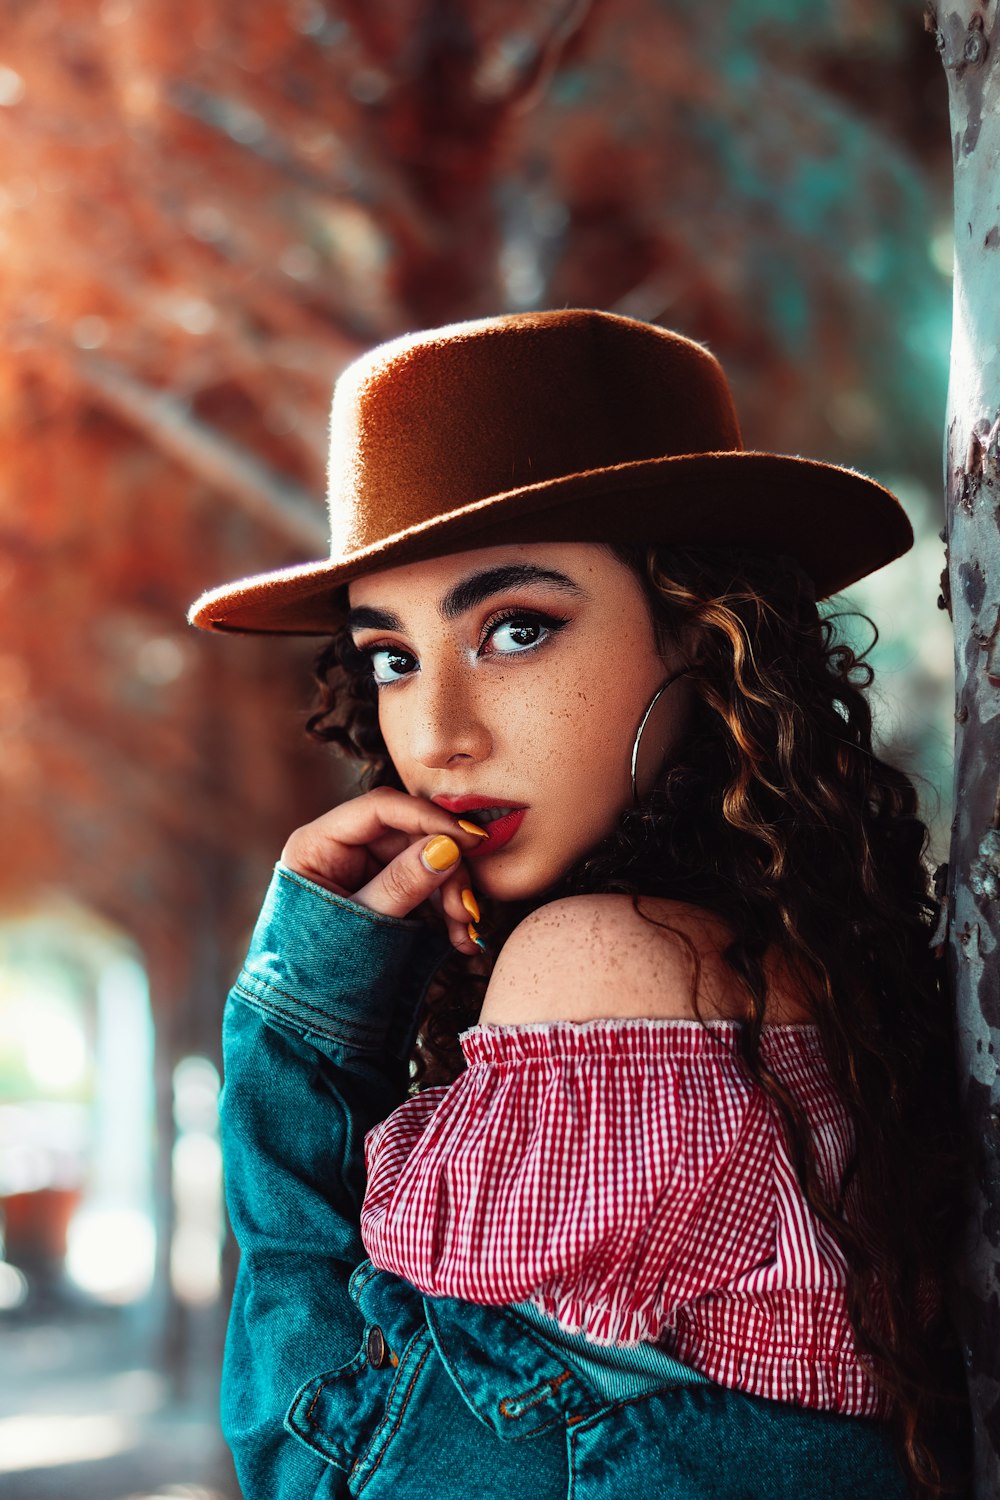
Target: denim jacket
(342, 1379)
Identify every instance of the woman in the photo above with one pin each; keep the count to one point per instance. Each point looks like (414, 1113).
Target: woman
(652, 1190)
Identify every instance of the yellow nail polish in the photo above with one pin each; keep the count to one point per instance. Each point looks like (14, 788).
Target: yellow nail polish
(441, 853)
(474, 935)
(471, 905)
(473, 828)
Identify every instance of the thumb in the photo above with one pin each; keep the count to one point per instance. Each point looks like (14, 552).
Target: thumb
(409, 879)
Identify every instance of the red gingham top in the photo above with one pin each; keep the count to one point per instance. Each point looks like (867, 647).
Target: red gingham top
(628, 1178)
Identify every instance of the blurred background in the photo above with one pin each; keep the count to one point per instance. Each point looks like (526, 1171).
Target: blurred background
(206, 209)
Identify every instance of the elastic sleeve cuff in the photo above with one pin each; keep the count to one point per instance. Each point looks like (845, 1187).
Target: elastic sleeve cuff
(328, 965)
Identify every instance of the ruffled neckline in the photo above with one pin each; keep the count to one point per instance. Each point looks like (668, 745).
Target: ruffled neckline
(619, 1036)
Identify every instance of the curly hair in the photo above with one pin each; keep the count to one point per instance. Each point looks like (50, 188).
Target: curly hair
(777, 815)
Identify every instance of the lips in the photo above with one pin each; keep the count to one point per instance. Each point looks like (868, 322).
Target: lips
(501, 829)
(471, 804)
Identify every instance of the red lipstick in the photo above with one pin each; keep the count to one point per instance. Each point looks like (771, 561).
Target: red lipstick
(501, 830)
(466, 804)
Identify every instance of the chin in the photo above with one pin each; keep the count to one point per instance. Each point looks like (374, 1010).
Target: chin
(516, 879)
(506, 885)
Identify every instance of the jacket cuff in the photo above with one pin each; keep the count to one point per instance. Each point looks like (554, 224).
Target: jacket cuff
(327, 965)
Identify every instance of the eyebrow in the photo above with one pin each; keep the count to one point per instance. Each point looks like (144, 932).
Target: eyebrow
(469, 592)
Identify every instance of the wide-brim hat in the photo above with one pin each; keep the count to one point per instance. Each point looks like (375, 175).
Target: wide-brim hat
(571, 425)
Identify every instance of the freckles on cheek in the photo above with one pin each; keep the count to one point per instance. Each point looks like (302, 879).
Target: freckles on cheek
(583, 728)
(595, 712)
(394, 747)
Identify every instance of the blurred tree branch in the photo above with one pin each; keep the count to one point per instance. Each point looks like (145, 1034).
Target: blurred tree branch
(208, 455)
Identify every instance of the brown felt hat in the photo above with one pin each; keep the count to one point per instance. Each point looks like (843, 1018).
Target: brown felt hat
(571, 425)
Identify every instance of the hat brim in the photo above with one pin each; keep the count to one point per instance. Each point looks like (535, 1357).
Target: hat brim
(839, 526)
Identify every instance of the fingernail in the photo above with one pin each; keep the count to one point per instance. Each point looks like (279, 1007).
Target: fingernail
(473, 828)
(474, 935)
(471, 905)
(440, 853)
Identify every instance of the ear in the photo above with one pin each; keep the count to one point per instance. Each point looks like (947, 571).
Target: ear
(679, 647)
(688, 642)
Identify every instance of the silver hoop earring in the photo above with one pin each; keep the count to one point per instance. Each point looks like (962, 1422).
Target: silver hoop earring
(642, 724)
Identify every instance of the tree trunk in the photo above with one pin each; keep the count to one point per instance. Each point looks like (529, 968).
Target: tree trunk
(968, 37)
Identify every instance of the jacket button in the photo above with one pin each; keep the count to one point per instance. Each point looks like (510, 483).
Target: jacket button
(377, 1352)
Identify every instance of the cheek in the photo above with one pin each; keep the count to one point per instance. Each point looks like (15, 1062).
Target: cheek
(607, 705)
(606, 737)
(393, 737)
(581, 726)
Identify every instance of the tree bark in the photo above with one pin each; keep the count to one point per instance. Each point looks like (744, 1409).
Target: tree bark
(968, 38)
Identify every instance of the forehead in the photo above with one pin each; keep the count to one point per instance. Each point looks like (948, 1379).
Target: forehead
(432, 578)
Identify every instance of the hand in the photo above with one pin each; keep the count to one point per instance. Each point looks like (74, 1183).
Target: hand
(380, 850)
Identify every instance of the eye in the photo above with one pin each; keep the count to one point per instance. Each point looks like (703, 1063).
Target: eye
(518, 631)
(389, 663)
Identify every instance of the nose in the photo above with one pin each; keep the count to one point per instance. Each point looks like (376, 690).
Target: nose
(450, 727)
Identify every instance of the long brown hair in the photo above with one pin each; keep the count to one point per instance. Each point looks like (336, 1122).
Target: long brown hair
(777, 815)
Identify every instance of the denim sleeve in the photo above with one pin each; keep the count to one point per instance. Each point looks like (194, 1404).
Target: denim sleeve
(316, 1040)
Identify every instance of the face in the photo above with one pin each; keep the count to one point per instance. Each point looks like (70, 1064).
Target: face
(511, 682)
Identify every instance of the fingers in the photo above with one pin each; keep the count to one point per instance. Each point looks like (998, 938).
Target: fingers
(429, 870)
(413, 877)
(366, 819)
(391, 852)
(460, 909)
(344, 848)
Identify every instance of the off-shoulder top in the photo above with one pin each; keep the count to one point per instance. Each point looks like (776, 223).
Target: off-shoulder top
(629, 1179)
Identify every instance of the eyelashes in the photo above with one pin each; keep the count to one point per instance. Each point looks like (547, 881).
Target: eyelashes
(385, 657)
(511, 622)
(509, 633)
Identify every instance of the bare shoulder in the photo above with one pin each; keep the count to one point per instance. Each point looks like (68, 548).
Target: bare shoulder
(589, 957)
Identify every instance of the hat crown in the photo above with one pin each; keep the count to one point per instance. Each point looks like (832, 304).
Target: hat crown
(568, 425)
(433, 423)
